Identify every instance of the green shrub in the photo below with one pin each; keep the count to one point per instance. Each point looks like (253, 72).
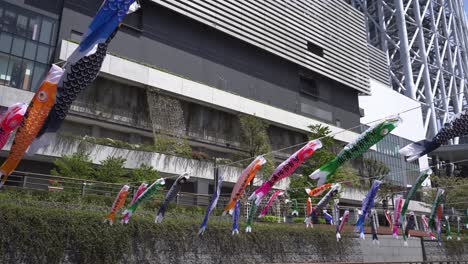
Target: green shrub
(111, 170)
(77, 165)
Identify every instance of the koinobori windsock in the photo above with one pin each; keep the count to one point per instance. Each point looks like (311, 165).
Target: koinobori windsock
(373, 221)
(235, 219)
(295, 209)
(419, 181)
(212, 205)
(83, 65)
(10, 121)
(438, 221)
(449, 233)
(426, 227)
(367, 205)
(437, 201)
(457, 127)
(389, 219)
(141, 189)
(308, 210)
(396, 215)
(118, 204)
(340, 227)
(171, 194)
(356, 148)
(250, 216)
(247, 175)
(286, 168)
(328, 217)
(411, 223)
(270, 202)
(458, 228)
(317, 191)
(323, 202)
(145, 196)
(36, 113)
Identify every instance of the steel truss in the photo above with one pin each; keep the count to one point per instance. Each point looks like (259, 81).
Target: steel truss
(426, 45)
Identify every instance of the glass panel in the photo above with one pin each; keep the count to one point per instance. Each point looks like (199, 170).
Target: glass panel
(46, 31)
(27, 76)
(15, 72)
(9, 21)
(30, 51)
(5, 42)
(22, 25)
(18, 46)
(42, 54)
(33, 28)
(38, 75)
(3, 68)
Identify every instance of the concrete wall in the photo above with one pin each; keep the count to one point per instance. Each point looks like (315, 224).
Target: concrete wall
(168, 40)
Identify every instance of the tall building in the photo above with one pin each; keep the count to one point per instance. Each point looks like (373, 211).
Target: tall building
(188, 69)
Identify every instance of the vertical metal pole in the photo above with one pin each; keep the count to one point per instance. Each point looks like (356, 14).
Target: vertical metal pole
(404, 49)
(432, 127)
(25, 180)
(83, 189)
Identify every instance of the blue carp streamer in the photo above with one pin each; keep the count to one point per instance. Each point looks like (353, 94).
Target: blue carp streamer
(212, 205)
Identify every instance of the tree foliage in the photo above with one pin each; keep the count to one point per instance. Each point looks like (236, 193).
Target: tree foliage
(77, 165)
(456, 191)
(144, 173)
(111, 170)
(372, 169)
(255, 140)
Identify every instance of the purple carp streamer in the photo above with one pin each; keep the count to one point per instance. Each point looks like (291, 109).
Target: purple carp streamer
(10, 121)
(356, 148)
(171, 194)
(323, 202)
(339, 228)
(235, 219)
(457, 127)
(286, 168)
(367, 205)
(212, 205)
(328, 217)
(396, 215)
(270, 202)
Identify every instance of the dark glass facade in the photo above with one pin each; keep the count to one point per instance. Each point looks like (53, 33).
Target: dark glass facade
(27, 45)
(401, 172)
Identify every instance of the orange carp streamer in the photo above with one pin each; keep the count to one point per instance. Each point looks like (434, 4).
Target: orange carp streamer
(118, 204)
(318, 190)
(246, 177)
(36, 114)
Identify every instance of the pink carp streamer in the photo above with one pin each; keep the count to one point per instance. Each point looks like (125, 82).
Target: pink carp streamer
(10, 121)
(426, 226)
(340, 227)
(396, 215)
(286, 168)
(272, 199)
(139, 191)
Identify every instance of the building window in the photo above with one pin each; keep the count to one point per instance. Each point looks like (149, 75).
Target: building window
(315, 49)
(27, 45)
(308, 86)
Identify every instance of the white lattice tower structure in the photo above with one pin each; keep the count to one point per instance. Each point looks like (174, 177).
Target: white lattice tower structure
(426, 45)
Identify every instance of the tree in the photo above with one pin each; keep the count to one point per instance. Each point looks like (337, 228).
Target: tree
(254, 139)
(456, 191)
(372, 168)
(111, 170)
(77, 165)
(144, 173)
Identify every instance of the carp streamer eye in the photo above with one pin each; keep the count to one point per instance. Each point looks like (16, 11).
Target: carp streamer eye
(384, 132)
(42, 96)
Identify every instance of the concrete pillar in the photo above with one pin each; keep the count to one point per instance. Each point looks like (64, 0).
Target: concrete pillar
(202, 188)
(96, 131)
